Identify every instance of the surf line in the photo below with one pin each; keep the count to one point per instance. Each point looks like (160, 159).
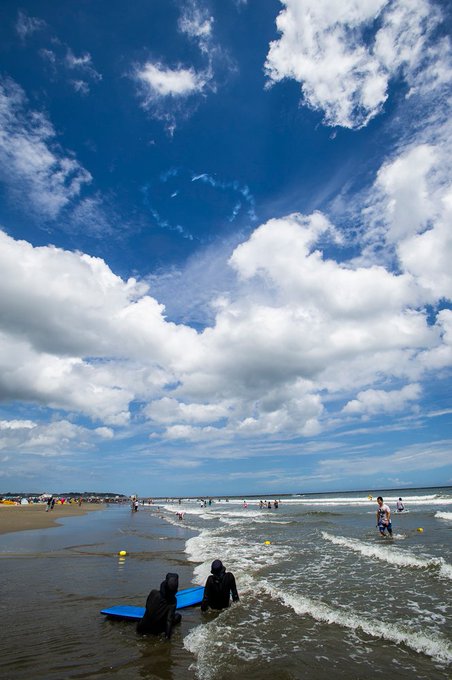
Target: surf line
(444, 515)
(392, 556)
(438, 648)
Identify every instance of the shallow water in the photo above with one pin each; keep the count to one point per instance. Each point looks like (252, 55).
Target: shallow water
(56, 581)
(326, 596)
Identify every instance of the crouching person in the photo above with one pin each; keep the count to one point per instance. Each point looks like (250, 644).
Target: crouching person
(160, 615)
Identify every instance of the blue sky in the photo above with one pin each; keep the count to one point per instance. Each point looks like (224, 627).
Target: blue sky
(225, 244)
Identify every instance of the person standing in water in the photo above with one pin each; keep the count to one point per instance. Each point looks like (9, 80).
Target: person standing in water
(219, 588)
(383, 517)
(160, 614)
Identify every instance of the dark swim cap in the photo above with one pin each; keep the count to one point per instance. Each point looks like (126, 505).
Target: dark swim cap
(217, 567)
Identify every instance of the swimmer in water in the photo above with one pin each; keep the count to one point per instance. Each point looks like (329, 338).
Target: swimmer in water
(400, 505)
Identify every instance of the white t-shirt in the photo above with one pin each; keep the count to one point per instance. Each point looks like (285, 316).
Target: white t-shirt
(383, 512)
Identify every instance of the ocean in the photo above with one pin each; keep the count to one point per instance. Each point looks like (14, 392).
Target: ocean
(321, 593)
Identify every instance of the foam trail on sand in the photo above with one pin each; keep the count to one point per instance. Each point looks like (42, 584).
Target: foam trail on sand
(196, 642)
(435, 646)
(392, 556)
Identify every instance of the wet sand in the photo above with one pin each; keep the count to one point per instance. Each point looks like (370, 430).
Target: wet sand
(34, 516)
(55, 584)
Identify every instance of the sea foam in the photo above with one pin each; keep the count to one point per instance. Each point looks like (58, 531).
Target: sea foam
(392, 556)
(435, 646)
(444, 515)
(218, 643)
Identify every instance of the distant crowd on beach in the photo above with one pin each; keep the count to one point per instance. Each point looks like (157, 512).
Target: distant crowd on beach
(43, 499)
(49, 501)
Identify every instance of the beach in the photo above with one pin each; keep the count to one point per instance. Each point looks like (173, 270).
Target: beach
(321, 592)
(34, 516)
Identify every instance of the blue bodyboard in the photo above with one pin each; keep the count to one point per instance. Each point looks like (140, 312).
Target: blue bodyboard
(185, 598)
(124, 611)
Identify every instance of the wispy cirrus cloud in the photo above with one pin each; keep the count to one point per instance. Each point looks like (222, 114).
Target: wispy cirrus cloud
(435, 454)
(79, 70)
(81, 65)
(27, 25)
(58, 55)
(227, 199)
(32, 164)
(197, 23)
(169, 92)
(247, 199)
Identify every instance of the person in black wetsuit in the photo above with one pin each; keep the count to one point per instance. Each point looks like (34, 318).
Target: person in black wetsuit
(219, 587)
(160, 615)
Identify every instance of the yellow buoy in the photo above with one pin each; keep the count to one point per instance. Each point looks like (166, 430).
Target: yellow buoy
(122, 553)
(267, 543)
(420, 529)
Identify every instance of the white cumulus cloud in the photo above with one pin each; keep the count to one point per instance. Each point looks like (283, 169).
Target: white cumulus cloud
(344, 54)
(381, 401)
(297, 334)
(49, 439)
(160, 81)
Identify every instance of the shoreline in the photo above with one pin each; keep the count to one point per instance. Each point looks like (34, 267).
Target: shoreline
(15, 518)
